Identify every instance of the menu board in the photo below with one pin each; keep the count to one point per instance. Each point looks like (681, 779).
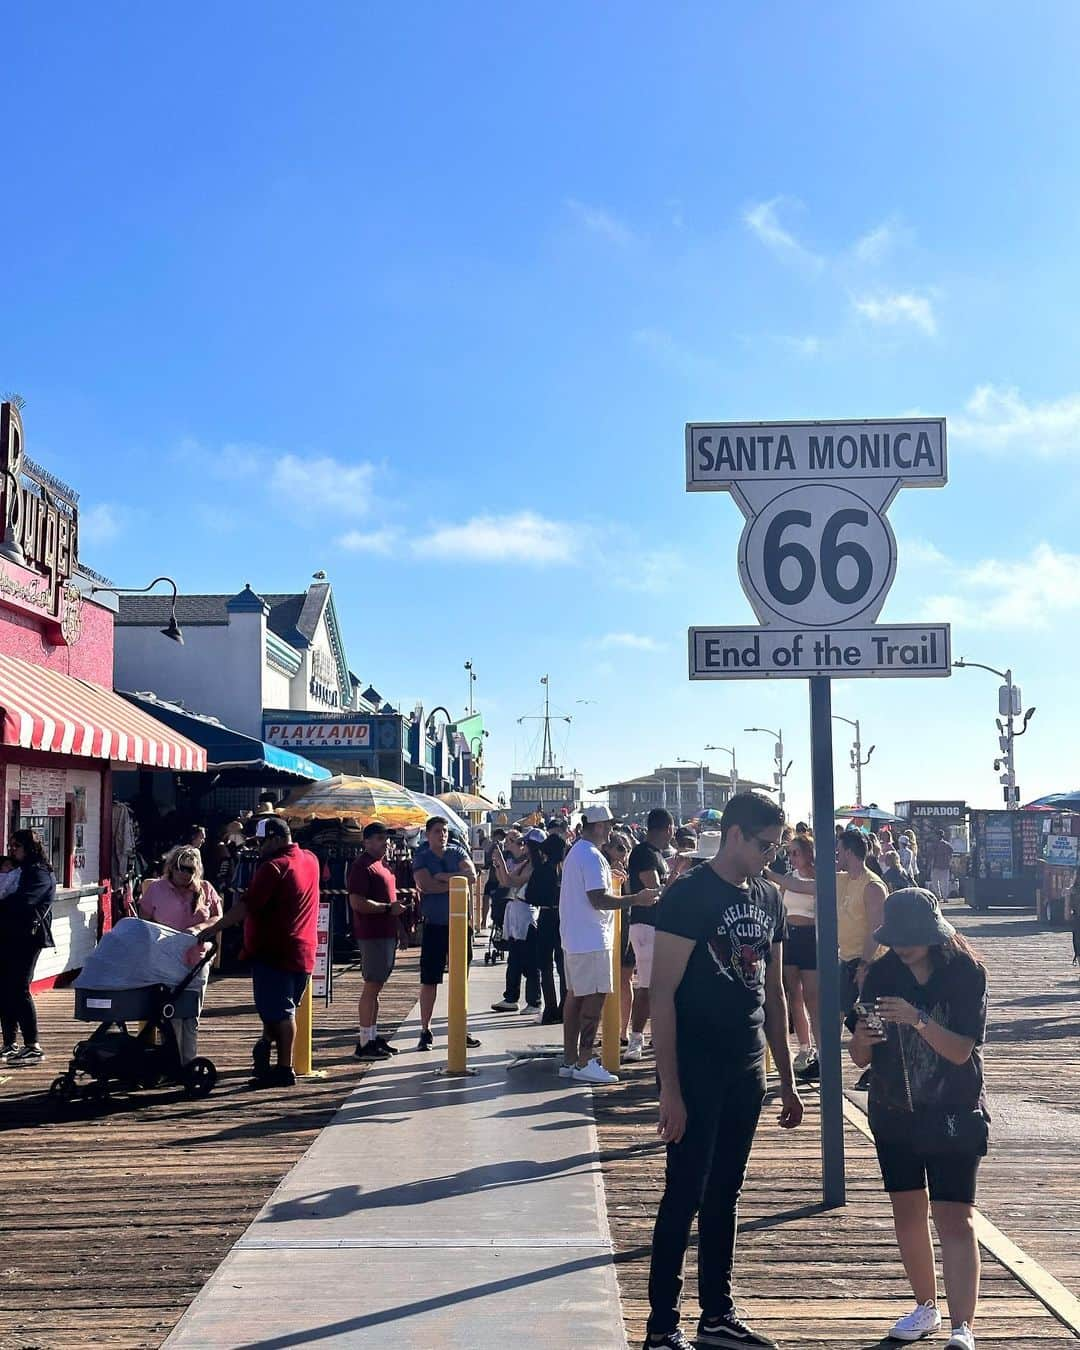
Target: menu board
(1031, 837)
(1061, 850)
(998, 845)
(322, 973)
(41, 791)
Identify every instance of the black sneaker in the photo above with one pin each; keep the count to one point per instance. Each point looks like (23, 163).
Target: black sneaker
(260, 1057)
(385, 1044)
(863, 1084)
(730, 1332)
(671, 1340)
(372, 1050)
(29, 1054)
(810, 1071)
(426, 1041)
(472, 1042)
(285, 1077)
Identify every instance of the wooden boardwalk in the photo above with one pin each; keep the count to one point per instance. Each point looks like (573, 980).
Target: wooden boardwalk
(111, 1222)
(816, 1279)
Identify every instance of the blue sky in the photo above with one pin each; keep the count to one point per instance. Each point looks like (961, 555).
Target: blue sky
(423, 295)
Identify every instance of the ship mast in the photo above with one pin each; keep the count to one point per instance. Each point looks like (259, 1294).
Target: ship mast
(547, 768)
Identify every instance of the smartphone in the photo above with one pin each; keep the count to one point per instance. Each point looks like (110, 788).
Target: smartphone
(870, 1015)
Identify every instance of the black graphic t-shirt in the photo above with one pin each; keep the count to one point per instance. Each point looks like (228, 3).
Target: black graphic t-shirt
(720, 1002)
(644, 858)
(955, 997)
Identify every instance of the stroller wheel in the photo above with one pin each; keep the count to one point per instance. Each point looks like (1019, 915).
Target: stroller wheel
(62, 1089)
(199, 1077)
(97, 1092)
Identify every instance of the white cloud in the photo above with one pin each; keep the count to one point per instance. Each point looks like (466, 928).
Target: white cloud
(763, 221)
(323, 483)
(921, 552)
(902, 307)
(98, 524)
(873, 246)
(1035, 592)
(999, 419)
(637, 642)
(599, 221)
(377, 541)
(521, 537)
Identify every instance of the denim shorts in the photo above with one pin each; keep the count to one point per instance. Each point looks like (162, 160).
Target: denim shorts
(277, 992)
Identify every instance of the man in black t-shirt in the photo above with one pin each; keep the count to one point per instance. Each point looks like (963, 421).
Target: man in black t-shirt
(648, 871)
(716, 994)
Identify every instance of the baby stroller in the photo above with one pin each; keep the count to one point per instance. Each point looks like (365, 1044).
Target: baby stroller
(498, 945)
(114, 1057)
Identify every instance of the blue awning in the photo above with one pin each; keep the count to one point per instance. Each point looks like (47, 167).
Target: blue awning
(229, 750)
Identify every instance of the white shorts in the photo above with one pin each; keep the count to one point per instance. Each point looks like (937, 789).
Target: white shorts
(643, 940)
(941, 882)
(588, 972)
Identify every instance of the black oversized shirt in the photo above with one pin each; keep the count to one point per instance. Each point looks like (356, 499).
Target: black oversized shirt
(955, 998)
(644, 857)
(720, 1001)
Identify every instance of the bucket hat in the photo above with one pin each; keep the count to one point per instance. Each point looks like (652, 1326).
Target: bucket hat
(913, 918)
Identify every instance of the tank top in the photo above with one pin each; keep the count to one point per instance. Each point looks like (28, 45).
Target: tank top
(797, 905)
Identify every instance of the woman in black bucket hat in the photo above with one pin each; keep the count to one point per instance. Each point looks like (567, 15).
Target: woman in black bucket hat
(920, 1026)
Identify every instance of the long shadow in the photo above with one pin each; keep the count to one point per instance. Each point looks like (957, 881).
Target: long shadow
(1039, 1000)
(1032, 1029)
(313, 1335)
(785, 1216)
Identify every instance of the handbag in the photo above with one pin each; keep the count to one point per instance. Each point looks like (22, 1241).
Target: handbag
(939, 1131)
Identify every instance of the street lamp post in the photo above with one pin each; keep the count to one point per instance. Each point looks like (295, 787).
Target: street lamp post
(734, 770)
(476, 745)
(857, 761)
(1010, 704)
(472, 681)
(782, 770)
(700, 779)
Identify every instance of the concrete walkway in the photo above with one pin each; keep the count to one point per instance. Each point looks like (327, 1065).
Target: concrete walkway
(432, 1212)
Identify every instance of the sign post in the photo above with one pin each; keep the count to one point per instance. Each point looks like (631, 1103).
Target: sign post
(817, 557)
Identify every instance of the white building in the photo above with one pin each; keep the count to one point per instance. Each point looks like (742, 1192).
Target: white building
(241, 654)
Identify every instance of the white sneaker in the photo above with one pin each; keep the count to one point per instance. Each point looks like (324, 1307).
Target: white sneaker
(594, 1072)
(636, 1049)
(504, 1005)
(922, 1321)
(566, 1070)
(803, 1058)
(962, 1338)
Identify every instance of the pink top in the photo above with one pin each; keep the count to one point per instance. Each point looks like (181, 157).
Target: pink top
(164, 903)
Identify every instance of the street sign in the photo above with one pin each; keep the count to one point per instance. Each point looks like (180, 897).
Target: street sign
(816, 559)
(752, 653)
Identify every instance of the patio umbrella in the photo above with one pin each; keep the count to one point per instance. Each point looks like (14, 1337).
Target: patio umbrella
(872, 812)
(709, 814)
(1057, 801)
(436, 807)
(356, 799)
(465, 802)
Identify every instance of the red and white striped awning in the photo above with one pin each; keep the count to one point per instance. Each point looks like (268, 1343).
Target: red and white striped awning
(44, 710)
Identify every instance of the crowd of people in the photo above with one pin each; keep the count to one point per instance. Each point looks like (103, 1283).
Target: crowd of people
(718, 957)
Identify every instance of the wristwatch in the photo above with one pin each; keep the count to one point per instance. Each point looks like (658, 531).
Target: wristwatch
(922, 1019)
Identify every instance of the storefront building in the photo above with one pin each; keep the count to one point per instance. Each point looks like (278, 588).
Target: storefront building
(63, 729)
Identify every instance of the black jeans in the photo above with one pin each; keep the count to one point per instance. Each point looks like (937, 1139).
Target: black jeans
(550, 955)
(705, 1172)
(18, 956)
(522, 961)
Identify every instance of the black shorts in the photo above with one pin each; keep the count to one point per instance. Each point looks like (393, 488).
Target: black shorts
(800, 946)
(948, 1177)
(434, 950)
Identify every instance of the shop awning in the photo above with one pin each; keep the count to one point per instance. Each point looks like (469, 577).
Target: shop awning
(228, 751)
(44, 710)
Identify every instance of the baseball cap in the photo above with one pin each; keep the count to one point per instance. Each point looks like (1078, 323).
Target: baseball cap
(273, 827)
(534, 836)
(375, 827)
(592, 815)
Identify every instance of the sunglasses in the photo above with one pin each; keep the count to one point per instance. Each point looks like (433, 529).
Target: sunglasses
(766, 845)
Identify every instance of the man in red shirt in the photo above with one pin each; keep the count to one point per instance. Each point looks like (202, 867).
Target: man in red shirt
(280, 912)
(375, 909)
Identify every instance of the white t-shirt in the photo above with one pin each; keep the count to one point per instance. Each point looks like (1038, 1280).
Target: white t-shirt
(583, 928)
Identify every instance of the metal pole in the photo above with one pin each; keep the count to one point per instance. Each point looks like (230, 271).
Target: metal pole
(1012, 804)
(457, 994)
(858, 766)
(833, 1191)
(678, 797)
(701, 787)
(780, 767)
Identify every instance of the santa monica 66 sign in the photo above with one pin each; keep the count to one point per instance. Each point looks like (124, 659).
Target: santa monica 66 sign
(817, 555)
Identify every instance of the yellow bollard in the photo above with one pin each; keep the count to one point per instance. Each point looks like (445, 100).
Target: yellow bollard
(302, 1045)
(611, 1015)
(458, 992)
